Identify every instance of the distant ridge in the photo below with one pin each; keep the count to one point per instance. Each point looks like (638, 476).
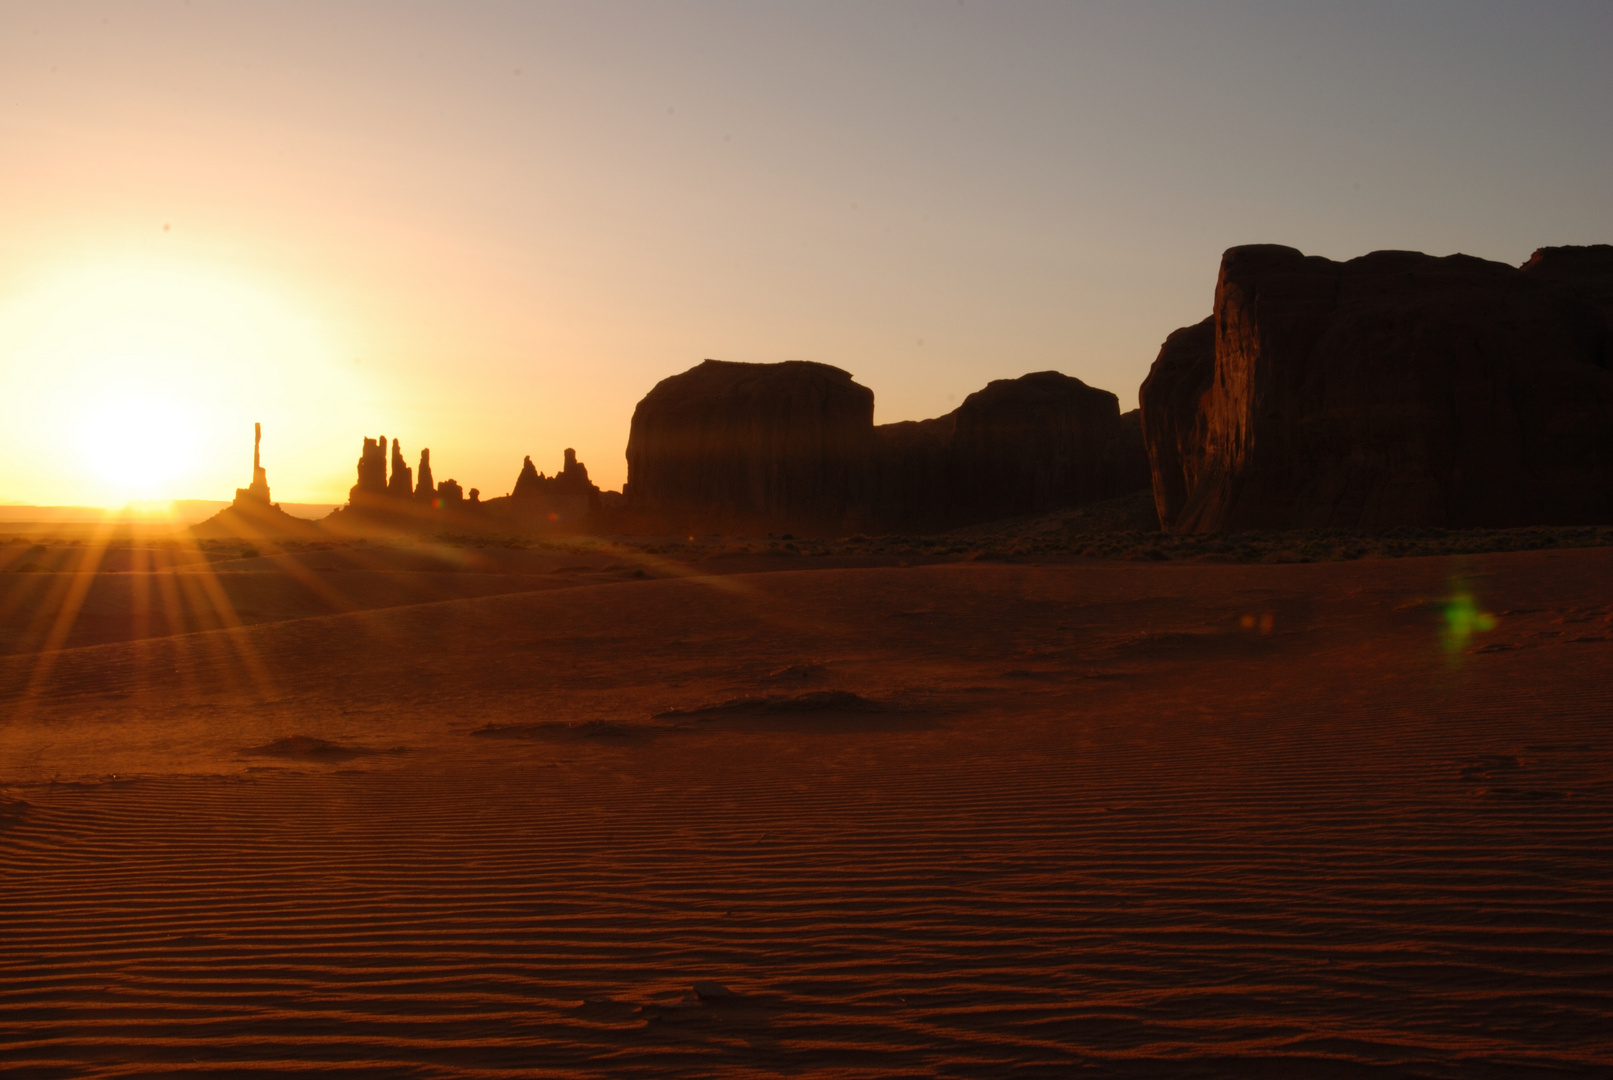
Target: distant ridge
(184, 512)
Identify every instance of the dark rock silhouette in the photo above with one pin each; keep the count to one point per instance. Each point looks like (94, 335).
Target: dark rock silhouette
(528, 485)
(252, 516)
(1129, 462)
(1394, 389)
(788, 442)
(401, 485)
(424, 489)
(562, 502)
(795, 443)
(1587, 270)
(395, 503)
(1040, 442)
(258, 490)
(912, 485)
(568, 494)
(371, 470)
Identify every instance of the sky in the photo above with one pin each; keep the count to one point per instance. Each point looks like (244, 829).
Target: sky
(491, 228)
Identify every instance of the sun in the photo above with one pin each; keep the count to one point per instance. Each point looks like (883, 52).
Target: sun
(138, 444)
(140, 381)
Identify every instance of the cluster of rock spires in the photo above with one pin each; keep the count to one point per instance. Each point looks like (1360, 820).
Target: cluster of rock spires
(568, 493)
(375, 491)
(409, 495)
(1396, 389)
(795, 443)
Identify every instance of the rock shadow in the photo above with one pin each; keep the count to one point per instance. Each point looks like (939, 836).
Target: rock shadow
(560, 731)
(818, 710)
(308, 748)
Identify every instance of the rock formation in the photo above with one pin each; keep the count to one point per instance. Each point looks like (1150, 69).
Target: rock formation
(1129, 464)
(398, 501)
(424, 490)
(568, 494)
(788, 442)
(1393, 389)
(401, 486)
(258, 491)
(1033, 444)
(911, 486)
(795, 443)
(371, 471)
(1173, 419)
(252, 516)
(1587, 270)
(528, 485)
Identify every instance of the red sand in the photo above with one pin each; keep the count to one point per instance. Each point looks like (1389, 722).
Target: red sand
(964, 820)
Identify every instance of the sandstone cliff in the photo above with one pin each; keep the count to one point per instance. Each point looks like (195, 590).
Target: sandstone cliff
(795, 444)
(1393, 389)
(1173, 418)
(1041, 442)
(1587, 270)
(788, 442)
(910, 484)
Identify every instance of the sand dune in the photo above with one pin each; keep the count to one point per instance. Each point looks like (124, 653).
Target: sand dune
(953, 820)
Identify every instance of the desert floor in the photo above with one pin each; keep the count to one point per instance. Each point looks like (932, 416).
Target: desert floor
(486, 812)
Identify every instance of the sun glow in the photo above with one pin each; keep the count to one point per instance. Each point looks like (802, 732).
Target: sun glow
(140, 381)
(139, 443)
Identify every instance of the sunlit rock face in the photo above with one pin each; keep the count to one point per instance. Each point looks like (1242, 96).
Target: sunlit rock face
(1394, 389)
(789, 442)
(1173, 418)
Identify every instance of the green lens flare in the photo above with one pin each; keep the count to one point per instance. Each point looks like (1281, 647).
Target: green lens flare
(1463, 619)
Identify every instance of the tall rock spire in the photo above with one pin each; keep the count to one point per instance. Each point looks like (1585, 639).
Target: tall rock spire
(425, 490)
(371, 470)
(258, 490)
(402, 483)
(528, 485)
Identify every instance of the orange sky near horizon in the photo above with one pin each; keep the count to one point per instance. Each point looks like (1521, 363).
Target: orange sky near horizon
(490, 228)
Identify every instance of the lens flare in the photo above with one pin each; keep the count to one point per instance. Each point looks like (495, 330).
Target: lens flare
(1463, 619)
